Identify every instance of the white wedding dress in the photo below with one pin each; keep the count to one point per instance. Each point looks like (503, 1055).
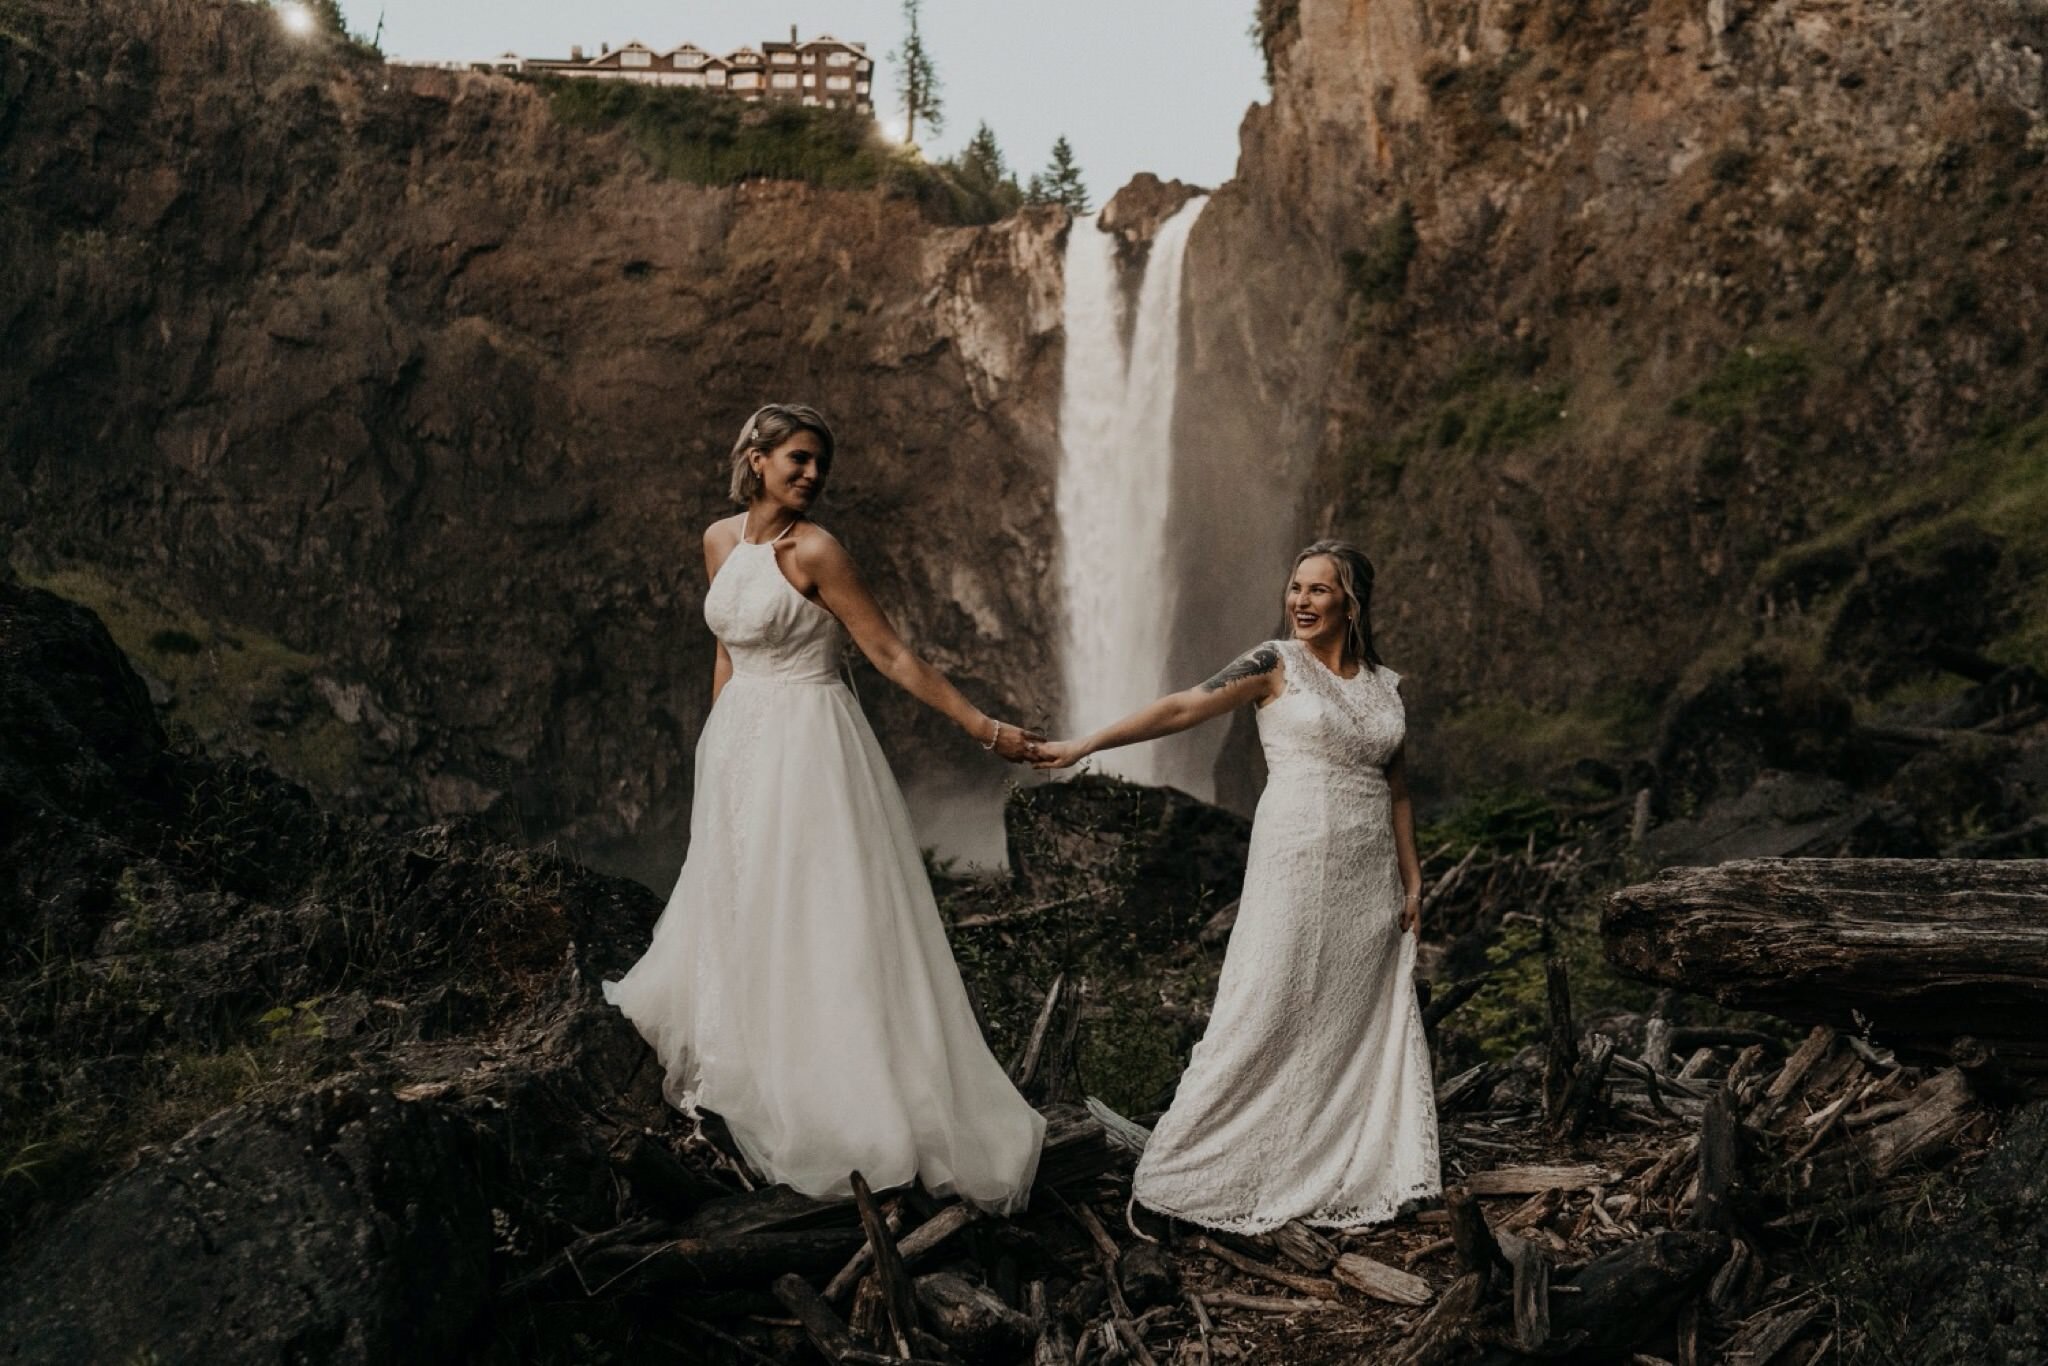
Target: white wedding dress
(1309, 1096)
(800, 984)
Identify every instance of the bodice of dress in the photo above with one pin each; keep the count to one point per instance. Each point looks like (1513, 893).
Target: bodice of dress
(1326, 727)
(772, 631)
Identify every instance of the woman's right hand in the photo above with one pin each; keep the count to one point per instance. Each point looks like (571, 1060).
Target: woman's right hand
(1060, 753)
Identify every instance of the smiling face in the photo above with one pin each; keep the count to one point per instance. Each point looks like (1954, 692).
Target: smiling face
(792, 472)
(1317, 608)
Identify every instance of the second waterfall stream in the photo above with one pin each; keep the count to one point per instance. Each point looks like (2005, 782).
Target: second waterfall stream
(1115, 492)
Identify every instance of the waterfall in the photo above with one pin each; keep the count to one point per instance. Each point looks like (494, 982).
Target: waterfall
(1116, 490)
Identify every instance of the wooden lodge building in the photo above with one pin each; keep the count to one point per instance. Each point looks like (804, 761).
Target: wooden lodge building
(822, 71)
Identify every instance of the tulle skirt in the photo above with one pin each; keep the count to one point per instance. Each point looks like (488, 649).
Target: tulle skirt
(800, 984)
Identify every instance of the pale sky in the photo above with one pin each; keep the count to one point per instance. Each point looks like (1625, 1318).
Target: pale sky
(1135, 85)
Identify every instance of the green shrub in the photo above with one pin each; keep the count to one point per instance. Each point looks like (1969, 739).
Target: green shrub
(1379, 271)
(707, 139)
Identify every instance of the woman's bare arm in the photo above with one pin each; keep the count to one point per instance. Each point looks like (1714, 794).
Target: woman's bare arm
(1254, 676)
(836, 580)
(1403, 816)
(718, 542)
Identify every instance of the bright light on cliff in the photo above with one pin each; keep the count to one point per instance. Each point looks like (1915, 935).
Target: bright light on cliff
(298, 20)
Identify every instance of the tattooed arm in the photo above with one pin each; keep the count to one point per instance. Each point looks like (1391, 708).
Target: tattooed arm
(1255, 676)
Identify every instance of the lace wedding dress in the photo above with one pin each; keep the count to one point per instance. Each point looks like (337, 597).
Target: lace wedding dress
(1309, 1096)
(800, 984)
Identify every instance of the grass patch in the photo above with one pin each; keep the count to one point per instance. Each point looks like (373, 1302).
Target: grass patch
(1527, 744)
(219, 676)
(1744, 380)
(1996, 480)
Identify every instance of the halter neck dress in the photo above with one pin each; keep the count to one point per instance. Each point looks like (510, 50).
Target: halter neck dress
(799, 983)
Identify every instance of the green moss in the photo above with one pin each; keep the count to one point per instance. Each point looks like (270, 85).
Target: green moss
(1524, 743)
(219, 674)
(1744, 380)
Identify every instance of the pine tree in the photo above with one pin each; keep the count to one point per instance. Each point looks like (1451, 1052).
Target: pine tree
(980, 172)
(917, 80)
(1060, 181)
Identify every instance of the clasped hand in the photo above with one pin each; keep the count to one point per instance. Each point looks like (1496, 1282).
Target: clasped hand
(1020, 746)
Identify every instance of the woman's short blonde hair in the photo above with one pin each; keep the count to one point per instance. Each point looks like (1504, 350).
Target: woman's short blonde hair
(770, 426)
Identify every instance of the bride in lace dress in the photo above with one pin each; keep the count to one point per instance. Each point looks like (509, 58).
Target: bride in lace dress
(799, 984)
(1309, 1096)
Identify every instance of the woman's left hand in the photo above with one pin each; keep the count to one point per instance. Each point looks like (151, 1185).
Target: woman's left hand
(1017, 745)
(1411, 916)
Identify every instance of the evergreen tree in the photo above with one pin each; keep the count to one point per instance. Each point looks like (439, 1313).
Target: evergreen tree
(1060, 181)
(917, 80)
(980, 172)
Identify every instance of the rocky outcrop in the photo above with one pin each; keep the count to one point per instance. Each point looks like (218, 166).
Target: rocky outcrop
(380, 414)
(1624, 335)
(404, 1081)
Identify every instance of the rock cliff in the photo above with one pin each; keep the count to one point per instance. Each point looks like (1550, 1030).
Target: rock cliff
(380, 415)
(1630, 338)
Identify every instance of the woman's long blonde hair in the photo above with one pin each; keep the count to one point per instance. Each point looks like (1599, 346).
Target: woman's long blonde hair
(770, 426)
(1354, 576)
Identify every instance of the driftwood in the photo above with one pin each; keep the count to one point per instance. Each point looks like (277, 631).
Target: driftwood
(1287, 1280)
(608, 1263)
(1621, 1298)
(1925, 950)
(891, 1280)
(971, 1318)
(1376, 1280)
(832, 1338)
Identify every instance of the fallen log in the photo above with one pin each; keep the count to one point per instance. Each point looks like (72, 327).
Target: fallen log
(1925, 950)
(972, 1319)
(603, 1264)
(1534, 1180)
(1377, 1280)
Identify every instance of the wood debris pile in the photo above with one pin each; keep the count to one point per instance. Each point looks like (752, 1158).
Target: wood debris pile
(1640, 1203)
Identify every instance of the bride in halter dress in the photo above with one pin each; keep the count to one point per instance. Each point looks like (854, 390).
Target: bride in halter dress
(799, 983)
(1309, 1096)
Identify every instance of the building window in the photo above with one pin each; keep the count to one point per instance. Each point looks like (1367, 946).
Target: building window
(785, 59)
(636, 59)
(809, 80)
(865, 66)
(714, 77)
(810, 101)
(785, 80)
(746, 80)
(690, 78)
(688, 61)
(862, 87)
(839, 82)
(838, 59)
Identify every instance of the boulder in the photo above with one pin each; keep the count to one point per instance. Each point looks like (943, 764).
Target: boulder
(343, 1225)
(1153, 859)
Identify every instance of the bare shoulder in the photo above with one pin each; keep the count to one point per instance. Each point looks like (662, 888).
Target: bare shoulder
(818, 551)
(723, 534)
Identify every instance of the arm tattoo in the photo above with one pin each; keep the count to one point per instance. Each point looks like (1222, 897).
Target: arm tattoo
(1251, 664)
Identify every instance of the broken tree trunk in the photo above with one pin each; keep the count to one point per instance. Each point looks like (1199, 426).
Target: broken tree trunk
(1926, 950)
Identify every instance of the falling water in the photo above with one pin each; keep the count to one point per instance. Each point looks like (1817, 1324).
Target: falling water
(1115, 489)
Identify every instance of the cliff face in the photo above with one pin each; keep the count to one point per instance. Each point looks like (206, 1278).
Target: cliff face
(1630, 337)
(381, 416)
